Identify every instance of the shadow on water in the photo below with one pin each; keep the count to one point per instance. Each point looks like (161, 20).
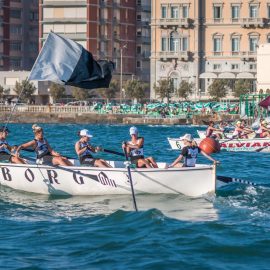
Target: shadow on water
(174, 206)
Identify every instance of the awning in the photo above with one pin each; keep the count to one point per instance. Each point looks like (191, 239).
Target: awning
(245, 75)
(265, 103)
(208, 75)
(226, 75)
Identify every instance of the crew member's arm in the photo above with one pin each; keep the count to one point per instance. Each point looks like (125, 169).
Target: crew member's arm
(210, 158)
(52, 152)
(24, 146)
(176, 161)
(136, 146)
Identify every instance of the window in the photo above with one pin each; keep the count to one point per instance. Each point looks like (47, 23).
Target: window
(184, 44)
(268, 38)
(139, 49)
(174, 80)
(268, 11)
(139, 33)
(174, 12)
(15, 46)
(235, 44)
(253, 41)
(217, 44)
(138, 64)
(235, 13)
(15, 13)
(163, 12)
(139, 18)
(33, 16)
(216, 66)
(16, 29)
(217, 12)
(235, 67)
(164, 44)
(185, 11)
(253, 11)
(252, 66)
(15, 63)
(174, 42)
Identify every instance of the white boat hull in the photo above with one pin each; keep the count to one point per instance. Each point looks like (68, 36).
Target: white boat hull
(231, 145)
(54, 180)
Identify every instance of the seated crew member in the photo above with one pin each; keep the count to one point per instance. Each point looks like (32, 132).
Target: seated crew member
(45, 153)
(134, 149)
(189, 153)
(84, 151)
(239, 131)
(6, 149)
(264, 131)
(246, 128)
(213, 132)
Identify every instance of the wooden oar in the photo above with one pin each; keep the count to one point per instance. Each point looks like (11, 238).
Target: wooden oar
(113, 152)
(260, 149)
(228, 180)
(130, 180)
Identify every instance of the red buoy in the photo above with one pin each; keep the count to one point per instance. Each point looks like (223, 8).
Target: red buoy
(209, 146)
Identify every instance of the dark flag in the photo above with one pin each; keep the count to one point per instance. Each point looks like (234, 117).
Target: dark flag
(265, 103)
(66, 62)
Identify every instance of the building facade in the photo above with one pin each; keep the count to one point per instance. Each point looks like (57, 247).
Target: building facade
(110, 29)
(200, 41)
(18, 34)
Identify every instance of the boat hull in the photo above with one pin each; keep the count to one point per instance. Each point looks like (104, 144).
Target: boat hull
(231, 145)
(54, 180)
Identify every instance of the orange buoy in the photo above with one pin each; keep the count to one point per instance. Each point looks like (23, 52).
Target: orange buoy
(209, 146)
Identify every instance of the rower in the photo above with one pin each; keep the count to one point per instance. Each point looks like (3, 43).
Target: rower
(240, 131)
(264, 131)
(45, 153)
(189, 153)
(134, 149)
(84, 151)
(6, 149)
(212, 132)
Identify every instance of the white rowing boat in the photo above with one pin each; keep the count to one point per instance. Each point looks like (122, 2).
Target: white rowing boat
(80, 180)
(231, 145)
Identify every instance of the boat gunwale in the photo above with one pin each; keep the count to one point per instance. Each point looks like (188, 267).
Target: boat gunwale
(84, 168)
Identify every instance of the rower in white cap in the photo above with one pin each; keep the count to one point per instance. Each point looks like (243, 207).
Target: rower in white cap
(84, 151)
(189, 153)
(134, 149)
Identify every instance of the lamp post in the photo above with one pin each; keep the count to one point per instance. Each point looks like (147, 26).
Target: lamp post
(121, 70)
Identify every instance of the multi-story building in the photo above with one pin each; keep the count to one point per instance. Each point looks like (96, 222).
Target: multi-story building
(18, 34)
(175, 41)
(110, 29)
(200, 41)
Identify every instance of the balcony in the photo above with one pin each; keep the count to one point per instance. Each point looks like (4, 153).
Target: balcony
(143, 23)
(182, 55)
(104, 37)
(248, 55)
(143, 39)
(104, 21)
(143, 8)
(48, 3)
(116, 21)
(253, 22)
(168, 22)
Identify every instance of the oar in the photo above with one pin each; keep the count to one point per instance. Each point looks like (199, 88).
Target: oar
(130, 180)
(113, 152)
(260, 149)
(228, 180)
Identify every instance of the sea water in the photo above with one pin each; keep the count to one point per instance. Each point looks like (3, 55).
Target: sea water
(228, 231)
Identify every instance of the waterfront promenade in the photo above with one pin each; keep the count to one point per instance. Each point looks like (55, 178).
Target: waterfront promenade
(86, 115)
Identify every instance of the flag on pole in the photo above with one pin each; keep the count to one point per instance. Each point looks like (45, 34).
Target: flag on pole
(66, 62)
(265, 103)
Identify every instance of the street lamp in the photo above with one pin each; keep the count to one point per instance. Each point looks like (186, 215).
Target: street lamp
(121, 70)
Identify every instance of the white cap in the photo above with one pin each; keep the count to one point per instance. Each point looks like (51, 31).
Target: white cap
(133, 131)
(85, 132)
(187, 137)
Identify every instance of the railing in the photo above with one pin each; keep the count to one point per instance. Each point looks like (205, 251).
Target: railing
(47, 109)
(169, 54)
(174, 22)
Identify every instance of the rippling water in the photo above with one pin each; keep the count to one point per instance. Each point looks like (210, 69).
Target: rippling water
(228, 231)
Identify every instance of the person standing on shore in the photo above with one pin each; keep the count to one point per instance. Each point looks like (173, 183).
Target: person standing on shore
(45, 153)
(84, 151)
(189, 153)
(6, 149)
(134, 149)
